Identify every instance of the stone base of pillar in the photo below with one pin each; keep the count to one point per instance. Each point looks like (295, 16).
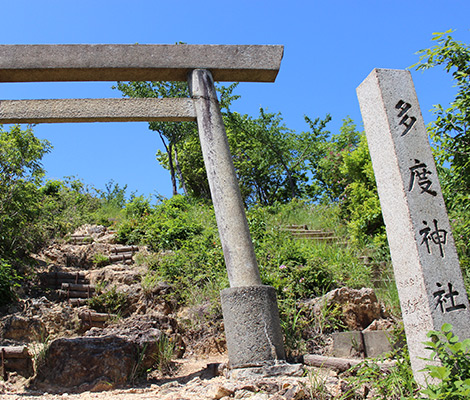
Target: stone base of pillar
(252, 326)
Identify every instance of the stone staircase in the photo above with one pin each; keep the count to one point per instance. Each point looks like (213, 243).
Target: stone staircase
(75, 287)
(60, 285)
(72, 287)
(321, 236)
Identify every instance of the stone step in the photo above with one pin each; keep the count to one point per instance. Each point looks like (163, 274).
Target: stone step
(70, 294)
(304, 227)
(55, 279)
(16, 359)
(78, 287)
(14, 352)
(124, 249)
(302, 231)
(316, 235)
(121, 257)
(91, 319)
(78, 302)
(80, 239)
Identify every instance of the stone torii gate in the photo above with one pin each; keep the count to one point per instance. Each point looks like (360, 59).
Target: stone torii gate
(250, 310)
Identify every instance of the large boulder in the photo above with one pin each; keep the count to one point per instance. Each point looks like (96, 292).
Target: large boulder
(152, 334)
(358, 308)
(87, 363)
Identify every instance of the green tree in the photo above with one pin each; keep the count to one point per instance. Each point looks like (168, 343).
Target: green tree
(451, 129)
(171, 133)
(450, 133)
(360, 205)
(269, 159)
(21, 173)
(342, 173)
(328, 151)
(67, 204)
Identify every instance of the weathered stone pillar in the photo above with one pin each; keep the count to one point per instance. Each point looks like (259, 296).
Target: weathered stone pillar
(248, 307)
(427, 269)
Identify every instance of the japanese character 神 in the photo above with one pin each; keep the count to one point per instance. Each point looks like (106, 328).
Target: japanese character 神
(438, 237)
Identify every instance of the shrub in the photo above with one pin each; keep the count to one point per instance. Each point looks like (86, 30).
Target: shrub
(8, 280)
(110, 301)
(396, 382)
(100, 260)
(453, 371)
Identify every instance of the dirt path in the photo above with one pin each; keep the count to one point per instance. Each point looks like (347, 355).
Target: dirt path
(193, 381)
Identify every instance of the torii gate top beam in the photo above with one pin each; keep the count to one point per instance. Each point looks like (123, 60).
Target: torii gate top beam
(138, 62)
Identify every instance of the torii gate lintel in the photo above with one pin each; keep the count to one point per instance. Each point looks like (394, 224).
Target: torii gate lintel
(251, 316)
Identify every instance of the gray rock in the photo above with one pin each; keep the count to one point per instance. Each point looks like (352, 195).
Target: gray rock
(18, 328)
(359, 308)
(280, 369)
(85, 361)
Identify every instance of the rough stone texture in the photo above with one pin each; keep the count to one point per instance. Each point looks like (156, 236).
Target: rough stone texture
(38, 320)
(252, 326)
(145, 331)
(359, 308)
(427, 271)
(82, 363)
(279, 369)
(348, 344)
(117, 275)
(240, 259)
(377, 343)
(137, 62)
(95, 110)
(18, 328)
(72, 255)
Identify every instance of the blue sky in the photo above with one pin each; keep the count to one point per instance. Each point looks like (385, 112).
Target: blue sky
(330, 48)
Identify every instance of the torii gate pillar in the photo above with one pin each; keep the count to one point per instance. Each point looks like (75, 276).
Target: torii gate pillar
(251, 316)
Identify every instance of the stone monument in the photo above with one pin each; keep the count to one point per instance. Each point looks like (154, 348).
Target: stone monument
(250, 310)
(426, 266)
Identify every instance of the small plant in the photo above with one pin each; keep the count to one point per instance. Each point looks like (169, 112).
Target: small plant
(292, 324)
(138, 370)
(316, 387)
(163, 354)
(111, 301)
(203, 302)
(160, 358)
(40, 349)
(396, 382)
(453, 371)
(149, 281)
(100, 260)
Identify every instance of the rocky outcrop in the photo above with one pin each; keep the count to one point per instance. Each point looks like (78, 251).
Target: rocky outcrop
(87, 363)
(19, 328)
(357, 308)
(147, 332)
(116, 275)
